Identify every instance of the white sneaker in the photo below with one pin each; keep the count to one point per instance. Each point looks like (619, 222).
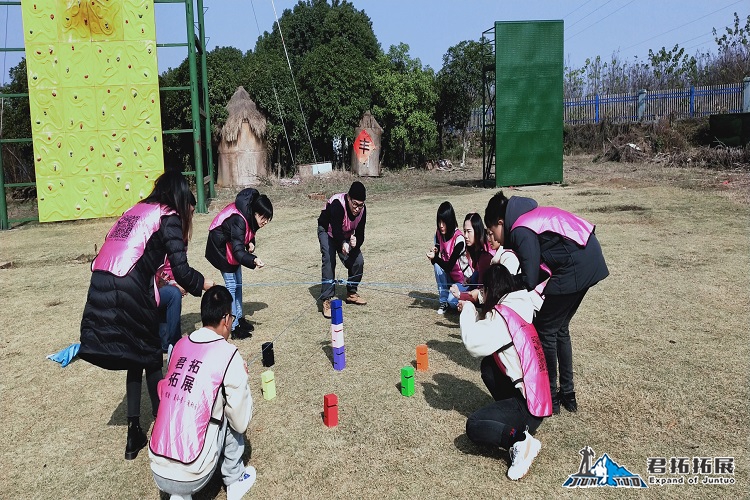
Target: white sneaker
(442, 308)
(237, 490)
(181, 497)
(522, 454)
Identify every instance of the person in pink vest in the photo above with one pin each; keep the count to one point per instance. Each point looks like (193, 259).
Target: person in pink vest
(230, 247)
(513, 370)
(120, 324)
(205, 409)
(448, 257)
(567, 245)
(170, 300)
(341, 231)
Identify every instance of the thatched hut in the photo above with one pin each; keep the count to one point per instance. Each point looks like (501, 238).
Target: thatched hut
(243, 151)
(366, 148)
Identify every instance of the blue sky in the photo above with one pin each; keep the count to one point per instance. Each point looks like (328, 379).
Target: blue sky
(430, 27)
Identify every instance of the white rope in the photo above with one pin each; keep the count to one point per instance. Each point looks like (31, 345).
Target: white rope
(273, 86)
(304, 120)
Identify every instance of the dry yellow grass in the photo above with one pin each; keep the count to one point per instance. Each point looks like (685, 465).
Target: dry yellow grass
(660, 348)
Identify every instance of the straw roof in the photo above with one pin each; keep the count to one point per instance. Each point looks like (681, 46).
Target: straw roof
(241, 108)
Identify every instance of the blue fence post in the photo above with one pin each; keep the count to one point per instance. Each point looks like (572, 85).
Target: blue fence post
(641, 104)
(596, 108)
(692, 101)
(746, 94)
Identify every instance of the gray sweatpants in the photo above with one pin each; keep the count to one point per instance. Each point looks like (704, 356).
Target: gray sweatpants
(232, 468)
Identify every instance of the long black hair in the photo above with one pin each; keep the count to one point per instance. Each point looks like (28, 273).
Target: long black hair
(480, 236)
(498, 282)
(172, 189)
(445, 213)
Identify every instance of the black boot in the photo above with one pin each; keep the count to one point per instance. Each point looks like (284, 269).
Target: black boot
(136, 439)
(556, 403)
(569, 401)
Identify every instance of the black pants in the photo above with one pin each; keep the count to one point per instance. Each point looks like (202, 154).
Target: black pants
(501, 423)
(133, 384)
(354, 264)
(551, 324)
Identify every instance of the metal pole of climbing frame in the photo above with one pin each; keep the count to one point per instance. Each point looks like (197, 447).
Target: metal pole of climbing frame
(206, 106)
(195, 110)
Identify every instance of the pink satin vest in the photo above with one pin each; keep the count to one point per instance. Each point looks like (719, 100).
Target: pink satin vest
(126, 241)
(187, 394)
(552, 219)
(535, 376)
(228, 211)
(462, 270)
(349, 225)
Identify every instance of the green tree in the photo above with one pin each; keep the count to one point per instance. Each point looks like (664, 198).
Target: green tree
(460, 87)
(406, 97)
(331, 50)
(15, 123)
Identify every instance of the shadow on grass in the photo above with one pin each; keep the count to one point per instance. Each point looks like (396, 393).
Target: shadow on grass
(424, 300)
(473, 183)
(468, 447)
(325, 346)
(454, 351)
(451, 393)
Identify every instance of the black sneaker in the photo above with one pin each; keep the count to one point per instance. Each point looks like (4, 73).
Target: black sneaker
(240, 333)
(245, 325)
(556, 403)
(568, 401)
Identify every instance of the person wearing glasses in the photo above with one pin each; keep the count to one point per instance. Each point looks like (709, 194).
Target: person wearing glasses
(205, 408)
(230, 246)
(120, 324)
(341, 231)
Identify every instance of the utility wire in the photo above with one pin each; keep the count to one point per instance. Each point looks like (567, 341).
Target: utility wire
(599, 20)
(685, 24)
(273, 86)
(587, 15)
(289, 63)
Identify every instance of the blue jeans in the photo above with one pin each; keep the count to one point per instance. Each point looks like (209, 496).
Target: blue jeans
(170, 306)
(233, 281)
(444, 282)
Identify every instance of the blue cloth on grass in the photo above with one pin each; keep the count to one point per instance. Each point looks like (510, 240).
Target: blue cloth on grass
(65, 356)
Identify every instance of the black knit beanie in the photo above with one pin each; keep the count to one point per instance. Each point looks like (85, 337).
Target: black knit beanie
(357, 191)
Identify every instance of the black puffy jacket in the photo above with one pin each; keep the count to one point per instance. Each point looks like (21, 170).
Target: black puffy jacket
(233, 230)
(574, 268)
(120, 325)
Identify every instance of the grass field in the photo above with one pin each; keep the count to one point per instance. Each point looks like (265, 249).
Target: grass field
(660, 348)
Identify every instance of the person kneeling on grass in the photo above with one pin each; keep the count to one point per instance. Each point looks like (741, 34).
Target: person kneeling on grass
(205, 408)
(513, 369)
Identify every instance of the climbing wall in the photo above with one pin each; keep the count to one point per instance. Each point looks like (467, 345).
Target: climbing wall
(94, 98)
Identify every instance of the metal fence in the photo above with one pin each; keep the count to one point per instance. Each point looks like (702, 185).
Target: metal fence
(648, 105)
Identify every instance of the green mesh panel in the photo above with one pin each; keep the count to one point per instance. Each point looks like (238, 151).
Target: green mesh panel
(529, 102)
